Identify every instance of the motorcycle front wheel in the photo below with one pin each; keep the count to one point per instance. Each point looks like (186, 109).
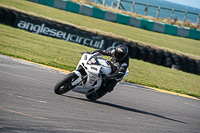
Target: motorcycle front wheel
(65, 84)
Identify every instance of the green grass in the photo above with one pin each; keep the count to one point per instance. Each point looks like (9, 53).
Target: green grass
(59, 53)
(39, 49)
(162, 40)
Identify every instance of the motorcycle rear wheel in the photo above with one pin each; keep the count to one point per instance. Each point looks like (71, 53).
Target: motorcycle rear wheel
(97, 94)
(65, 84)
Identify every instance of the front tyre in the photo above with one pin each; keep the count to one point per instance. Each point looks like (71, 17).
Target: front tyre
(65, 84)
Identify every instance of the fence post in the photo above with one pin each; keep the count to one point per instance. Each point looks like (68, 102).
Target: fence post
(146, 9)
(119, 1)
(185, 16)
(104, 1)
(171, 13)
(112, 4)
(132, 7)
(157, 16)
(198, 19)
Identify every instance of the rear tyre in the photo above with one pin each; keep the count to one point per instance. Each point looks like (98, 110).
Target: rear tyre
(97, 94)
(65, 84)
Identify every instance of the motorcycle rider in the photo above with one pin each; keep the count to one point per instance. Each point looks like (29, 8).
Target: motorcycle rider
(119, 64)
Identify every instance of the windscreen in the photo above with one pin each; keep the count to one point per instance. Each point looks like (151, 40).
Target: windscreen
(94, 59)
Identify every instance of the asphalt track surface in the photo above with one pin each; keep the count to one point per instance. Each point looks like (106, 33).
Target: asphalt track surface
(28, 104)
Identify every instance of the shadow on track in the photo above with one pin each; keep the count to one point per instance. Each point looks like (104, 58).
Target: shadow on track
(126, 108)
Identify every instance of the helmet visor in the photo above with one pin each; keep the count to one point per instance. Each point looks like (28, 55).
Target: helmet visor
(119, 55)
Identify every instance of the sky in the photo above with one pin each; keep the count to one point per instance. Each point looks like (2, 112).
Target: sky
(192, 3)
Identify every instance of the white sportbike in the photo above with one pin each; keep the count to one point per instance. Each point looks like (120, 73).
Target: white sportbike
(87, 78)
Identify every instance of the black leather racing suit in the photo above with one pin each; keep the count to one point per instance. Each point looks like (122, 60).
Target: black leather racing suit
(118, 68)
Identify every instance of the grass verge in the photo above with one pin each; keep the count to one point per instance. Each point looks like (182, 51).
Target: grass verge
(176, 43)
(59, 53)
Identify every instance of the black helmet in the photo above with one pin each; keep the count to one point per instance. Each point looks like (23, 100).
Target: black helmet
(121, 52)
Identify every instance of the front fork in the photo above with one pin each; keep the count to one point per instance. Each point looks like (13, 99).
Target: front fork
(78, 80)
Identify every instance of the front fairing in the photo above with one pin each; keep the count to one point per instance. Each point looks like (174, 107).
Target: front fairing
(94, 65)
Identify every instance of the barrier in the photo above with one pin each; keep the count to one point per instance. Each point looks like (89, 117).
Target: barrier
(194, 34)
(72, 7)
(47, 27)
(183, 31)
(98, 13)
(151, 55)
(86, 10)
(46, 2)
(167, 59)
(146, 24)
(110, 16)
(136, 22)
(170, 29)
(159, 57)
(121, 18)
(60, 4)
(159, 27)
